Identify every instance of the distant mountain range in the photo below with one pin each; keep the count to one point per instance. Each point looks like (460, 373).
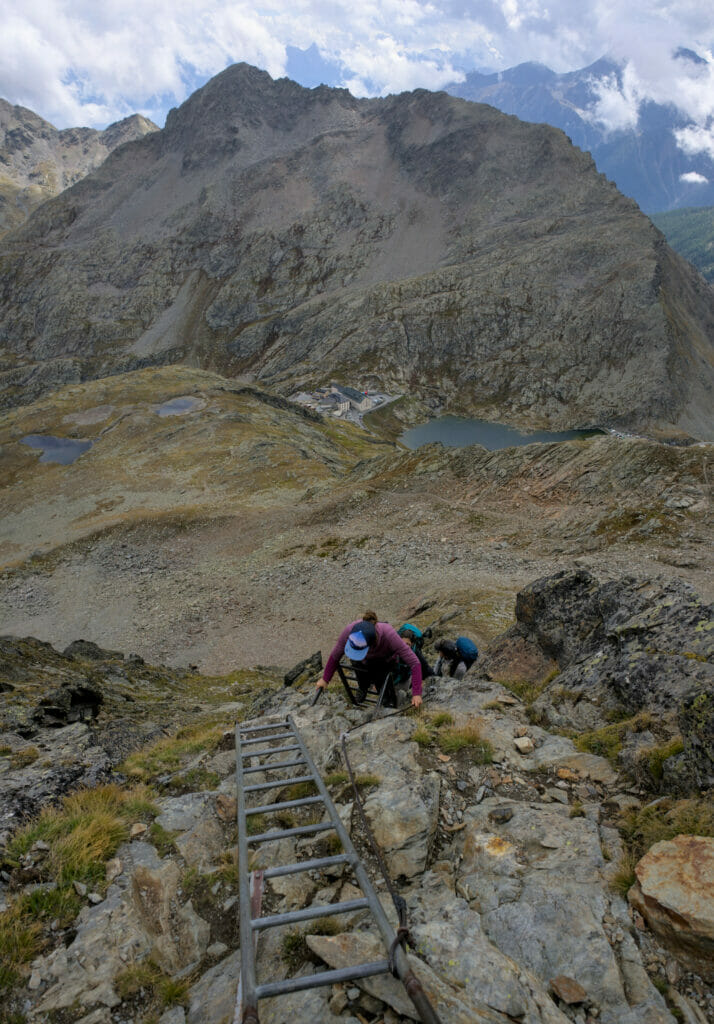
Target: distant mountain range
(37, 161)
(645, 162)
(306, 236)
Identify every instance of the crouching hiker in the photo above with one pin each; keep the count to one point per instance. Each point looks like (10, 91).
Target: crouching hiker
(414, 637)
(373, 648)
(455, 657)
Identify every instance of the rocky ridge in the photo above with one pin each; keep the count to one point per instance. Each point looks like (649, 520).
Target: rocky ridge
(299, 234)
(38, 162)
(506, 852)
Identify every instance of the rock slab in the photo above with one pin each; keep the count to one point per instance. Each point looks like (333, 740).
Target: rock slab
(674, 892)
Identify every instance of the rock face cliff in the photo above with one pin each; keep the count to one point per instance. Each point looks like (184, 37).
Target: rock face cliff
(302, 234)
(37, 161)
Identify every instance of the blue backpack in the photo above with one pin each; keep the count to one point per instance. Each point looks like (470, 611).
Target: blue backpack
(467, 649)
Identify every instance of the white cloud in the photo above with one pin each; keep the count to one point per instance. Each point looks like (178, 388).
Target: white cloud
(617, 105)
(696, 139)
(694, 178)
(75, 61)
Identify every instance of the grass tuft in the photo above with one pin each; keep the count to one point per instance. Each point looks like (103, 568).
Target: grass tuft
(658, 755)
(438, 729)
(608, 741)
(336, 779)
(422, 736)
(298, 791)
(255, 824)
(667, 819)
(367, 781)
(624, 878)
(466, 736)
(84, 831)
(442, 718)
(146, 978)
(168, 754)
(23, 758)
(20, 942)
(162, 839)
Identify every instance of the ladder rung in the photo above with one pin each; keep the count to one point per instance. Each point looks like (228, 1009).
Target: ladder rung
(302, 830)
(306, 865)
(295, 916)
(278, 783)
(277, 988)
(264, 739)
(272, 767)
(271, 750)
(260, 728)
(285, 804)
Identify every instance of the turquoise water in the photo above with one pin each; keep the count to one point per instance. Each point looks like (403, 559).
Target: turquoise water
(457, 433)
(57, 449)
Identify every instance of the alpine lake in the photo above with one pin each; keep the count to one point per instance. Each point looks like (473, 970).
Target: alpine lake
(455, 432)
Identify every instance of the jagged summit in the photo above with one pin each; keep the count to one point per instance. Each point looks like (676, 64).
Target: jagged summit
(244, 92)
(37, 161)
(454, 251)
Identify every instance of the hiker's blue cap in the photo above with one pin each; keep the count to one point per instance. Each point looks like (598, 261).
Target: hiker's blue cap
(356, 647)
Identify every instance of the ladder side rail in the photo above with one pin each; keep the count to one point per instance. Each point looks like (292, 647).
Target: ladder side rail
(410, 981)
(249, 1001)
(345, 683)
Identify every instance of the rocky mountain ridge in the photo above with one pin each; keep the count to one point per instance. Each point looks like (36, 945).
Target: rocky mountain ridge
(298, 234)
(38, 161)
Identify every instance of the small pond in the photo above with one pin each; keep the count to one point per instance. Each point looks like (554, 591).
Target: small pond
(180, 406)
(57, 449)
(457, 433)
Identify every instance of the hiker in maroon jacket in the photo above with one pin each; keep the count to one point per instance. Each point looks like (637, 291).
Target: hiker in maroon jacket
(373, 648)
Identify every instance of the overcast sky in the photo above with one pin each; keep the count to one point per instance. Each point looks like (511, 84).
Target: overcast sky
(76, 62)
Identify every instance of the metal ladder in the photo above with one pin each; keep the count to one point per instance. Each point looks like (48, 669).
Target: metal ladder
(385, 697)
(289, 741)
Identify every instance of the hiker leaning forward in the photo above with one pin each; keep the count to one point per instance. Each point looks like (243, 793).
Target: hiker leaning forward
(373, 648)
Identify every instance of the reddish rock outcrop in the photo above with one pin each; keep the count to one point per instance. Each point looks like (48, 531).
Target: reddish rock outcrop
(674, 893)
